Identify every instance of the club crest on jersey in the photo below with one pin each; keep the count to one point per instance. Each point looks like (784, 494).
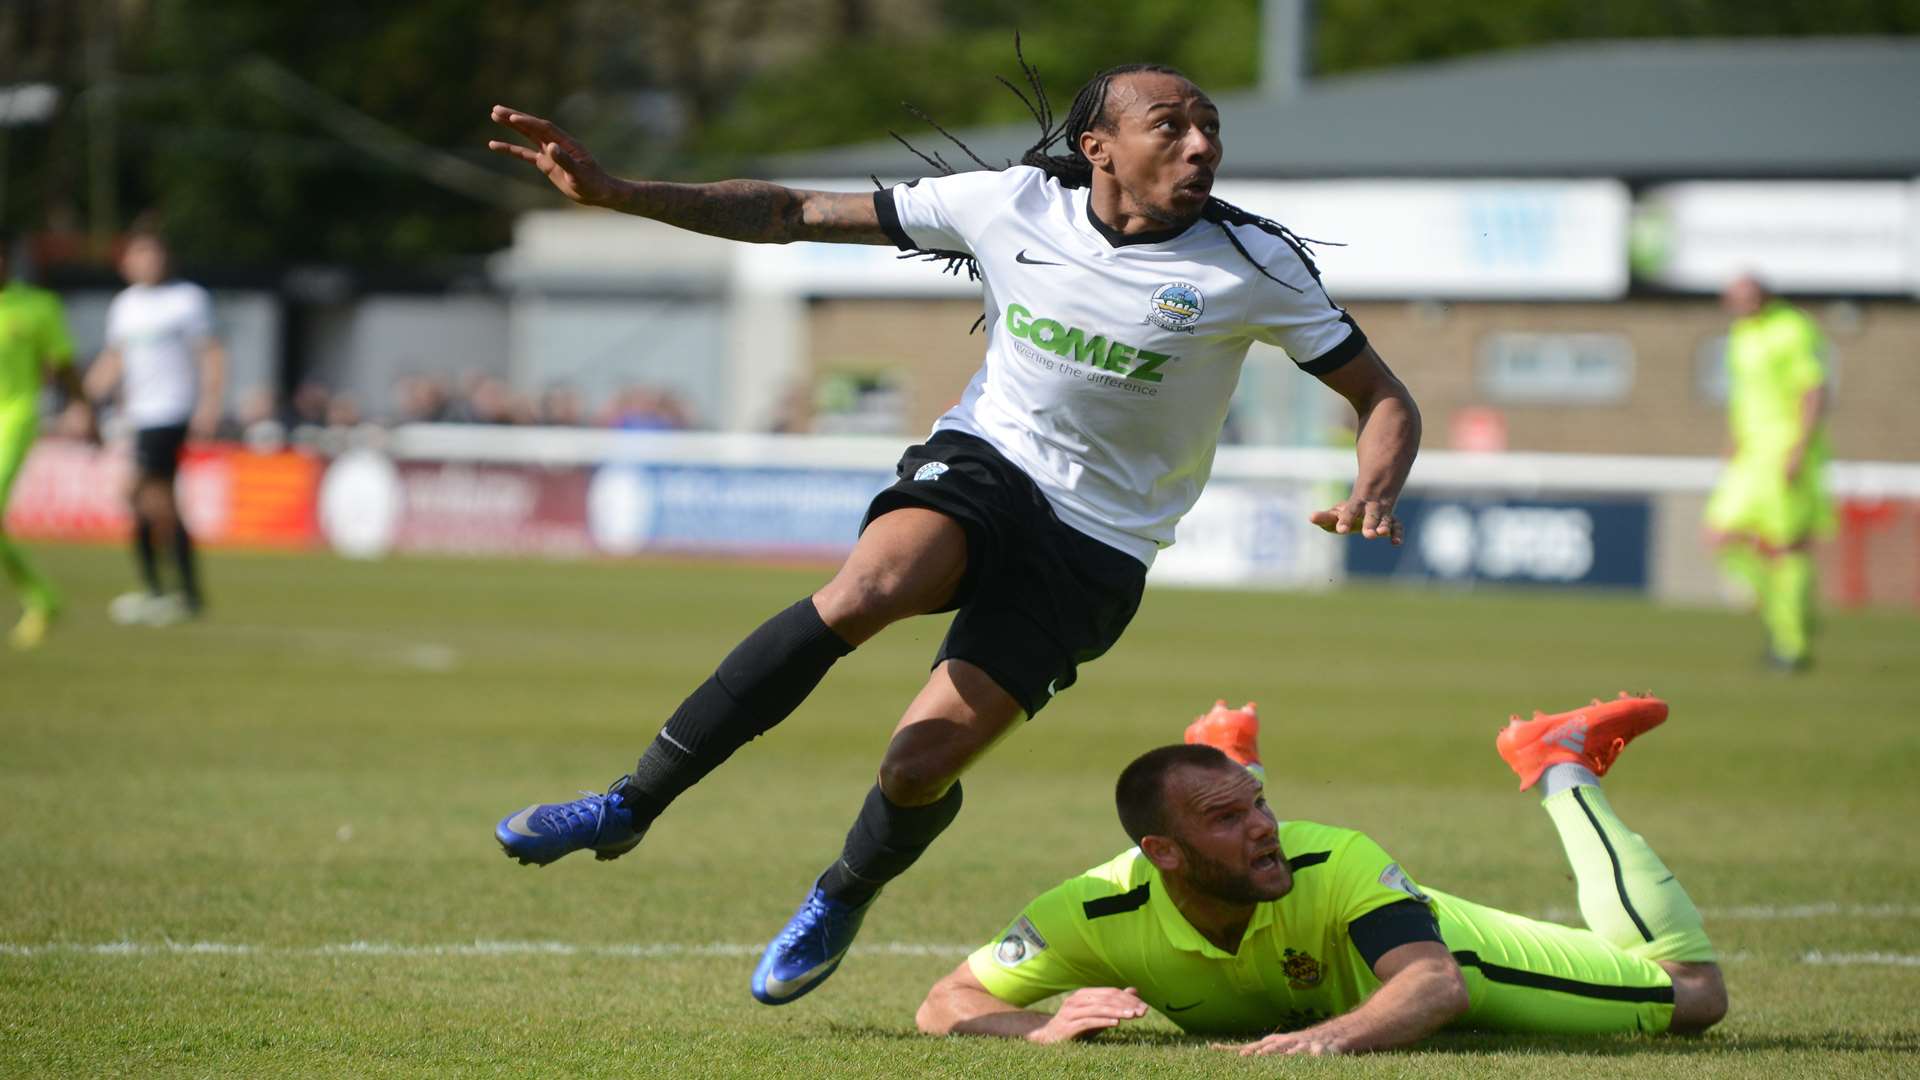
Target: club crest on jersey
(1176, 306)
(1303, 971)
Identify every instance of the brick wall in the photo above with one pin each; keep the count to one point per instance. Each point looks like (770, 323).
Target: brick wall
(1436, 349)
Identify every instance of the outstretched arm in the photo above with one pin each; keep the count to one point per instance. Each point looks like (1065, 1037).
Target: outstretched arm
(1420, 991)
(750, 210)
(1389, 437)
(960, 1005)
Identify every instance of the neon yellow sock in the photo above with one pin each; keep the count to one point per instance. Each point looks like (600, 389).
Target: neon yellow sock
(1627, 895)
(1788, 610)
(1739, 561)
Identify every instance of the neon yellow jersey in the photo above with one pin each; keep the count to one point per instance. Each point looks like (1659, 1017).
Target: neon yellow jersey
(1773, 360)
(1115, 926)
(33, 333)
(1298, 962)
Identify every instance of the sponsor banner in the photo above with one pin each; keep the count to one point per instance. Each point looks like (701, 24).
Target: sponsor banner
(1580, 542)
(1242, 534)
(492, 509)
(747, 510)
(1467, 239)
(72, 491)
(370, 506)
(1832, 236)
(69, 490)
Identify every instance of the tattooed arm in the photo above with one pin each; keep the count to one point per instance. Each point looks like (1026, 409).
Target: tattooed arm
(749, 210)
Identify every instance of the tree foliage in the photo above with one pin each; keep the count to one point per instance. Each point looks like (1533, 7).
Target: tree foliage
(354, 131)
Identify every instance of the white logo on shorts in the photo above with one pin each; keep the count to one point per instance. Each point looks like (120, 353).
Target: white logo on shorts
(932, 470)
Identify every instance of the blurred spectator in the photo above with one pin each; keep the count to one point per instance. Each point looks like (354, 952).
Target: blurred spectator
(255, 419)
(463, 406)
(490, 401)
(794, 414)
(343, 411)
(560, 407)
(640, 408)
(420, 399)
(483, 398)
(310, 402)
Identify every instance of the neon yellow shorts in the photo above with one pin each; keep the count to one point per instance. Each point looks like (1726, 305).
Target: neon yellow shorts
(1757, 501)
(1526, 975)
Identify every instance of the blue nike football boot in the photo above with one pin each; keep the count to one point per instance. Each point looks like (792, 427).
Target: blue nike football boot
(808, 949)
(544, 832)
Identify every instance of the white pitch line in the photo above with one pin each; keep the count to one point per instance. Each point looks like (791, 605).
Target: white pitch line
(654, 950)
(1777, 912)
(1861, 959)
(470, 948)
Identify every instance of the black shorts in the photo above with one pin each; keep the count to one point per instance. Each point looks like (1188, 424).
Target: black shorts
(156, 450)
(1039, 598)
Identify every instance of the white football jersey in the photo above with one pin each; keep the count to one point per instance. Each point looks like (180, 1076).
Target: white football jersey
(1111, 359)
(159, 330)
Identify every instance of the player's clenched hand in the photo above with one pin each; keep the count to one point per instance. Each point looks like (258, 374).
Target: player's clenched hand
(1371, 518)
(560, 156)
(1091, 1010)
(1289, 1042)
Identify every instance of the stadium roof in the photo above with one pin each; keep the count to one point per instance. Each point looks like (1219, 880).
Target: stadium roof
(1804, 107)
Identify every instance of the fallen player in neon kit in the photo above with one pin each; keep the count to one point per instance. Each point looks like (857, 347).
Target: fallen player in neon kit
(1311, 937)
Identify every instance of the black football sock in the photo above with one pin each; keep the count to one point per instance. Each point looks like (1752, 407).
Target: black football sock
(184, 562)
(758, 685)
(885, 840)
(143, 553)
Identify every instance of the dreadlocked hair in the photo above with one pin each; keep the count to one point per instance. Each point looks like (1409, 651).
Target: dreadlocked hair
(1072, 169)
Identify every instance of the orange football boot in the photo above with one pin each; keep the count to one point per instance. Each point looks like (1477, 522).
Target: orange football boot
(1233, 732)
(1592, 736)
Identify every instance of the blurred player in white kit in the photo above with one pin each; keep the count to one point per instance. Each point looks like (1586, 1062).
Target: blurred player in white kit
(162, 355)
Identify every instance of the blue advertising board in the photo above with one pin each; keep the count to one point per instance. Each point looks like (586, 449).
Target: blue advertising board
(722, 509)
(1569, 542)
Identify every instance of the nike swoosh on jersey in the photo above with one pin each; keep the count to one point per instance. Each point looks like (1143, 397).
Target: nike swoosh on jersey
(1183, 1008)
(1022, 258)
(786, 987)
(517, 824)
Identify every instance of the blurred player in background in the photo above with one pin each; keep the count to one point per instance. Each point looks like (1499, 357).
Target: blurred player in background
(1313, 940)
(1772, 499)
(34, 348)
(1122, 298)
(170, 369)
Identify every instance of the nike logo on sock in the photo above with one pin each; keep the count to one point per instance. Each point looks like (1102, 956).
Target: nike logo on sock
(1022, 258)
(1182, 1008)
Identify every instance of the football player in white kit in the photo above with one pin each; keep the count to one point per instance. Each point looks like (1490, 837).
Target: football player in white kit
(162, 353)
(1121, 299)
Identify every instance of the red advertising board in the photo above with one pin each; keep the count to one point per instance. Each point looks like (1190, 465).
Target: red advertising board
(72, 491)
(492, 509)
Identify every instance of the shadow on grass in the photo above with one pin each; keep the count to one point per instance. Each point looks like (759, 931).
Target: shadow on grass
(1471, 1043)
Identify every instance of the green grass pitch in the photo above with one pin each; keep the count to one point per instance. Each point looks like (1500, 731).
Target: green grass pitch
(261, 845)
